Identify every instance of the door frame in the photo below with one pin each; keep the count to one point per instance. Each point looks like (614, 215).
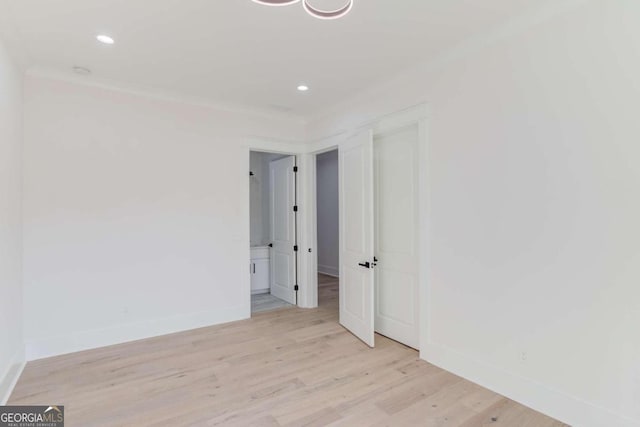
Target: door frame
(271, 147)
(417, 115)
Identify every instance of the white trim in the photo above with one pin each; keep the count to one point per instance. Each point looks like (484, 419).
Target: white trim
(535, 395)
(327, 144)
(87, 340)
(424, 293)
(310, 290)
(417, 114)
(270, 145)
(329, 270)
(398, 120)
(10, 378)
(307, 261)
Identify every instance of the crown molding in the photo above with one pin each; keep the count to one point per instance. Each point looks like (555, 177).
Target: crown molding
(159, 93)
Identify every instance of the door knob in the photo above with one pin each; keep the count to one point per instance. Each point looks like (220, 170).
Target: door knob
(365, 264)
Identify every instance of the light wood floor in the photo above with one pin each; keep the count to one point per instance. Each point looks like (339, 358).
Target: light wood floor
(289, 367)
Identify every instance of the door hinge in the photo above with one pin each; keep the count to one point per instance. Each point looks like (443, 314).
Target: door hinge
(296, 288)
(295, 208)
(295, 248)
(295, 169)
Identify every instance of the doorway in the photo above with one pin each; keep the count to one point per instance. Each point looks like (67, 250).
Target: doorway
(382, 229)
(396, 241)
(273, 231)
(328, 229)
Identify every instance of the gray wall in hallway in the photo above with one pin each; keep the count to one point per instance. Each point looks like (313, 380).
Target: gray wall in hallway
(328, 212)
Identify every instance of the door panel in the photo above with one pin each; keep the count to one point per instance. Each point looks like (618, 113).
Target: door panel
(282, 257)
(392, 301)
(354, 303)
(355, 228)
(397, 225)
(356, 236)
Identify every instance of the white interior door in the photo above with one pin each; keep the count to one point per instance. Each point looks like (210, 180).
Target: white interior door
(396, 235)
(283, 229)
(356, 237)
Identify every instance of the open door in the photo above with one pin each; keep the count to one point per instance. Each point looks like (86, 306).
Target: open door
(283, 229)
(397, 219)
(356, 237)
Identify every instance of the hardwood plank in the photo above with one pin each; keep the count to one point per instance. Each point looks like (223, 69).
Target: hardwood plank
(288, 367)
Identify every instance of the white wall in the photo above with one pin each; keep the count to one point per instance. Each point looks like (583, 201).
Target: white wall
(328, 212)
(534, 234)
(11, 330)
(136, 215)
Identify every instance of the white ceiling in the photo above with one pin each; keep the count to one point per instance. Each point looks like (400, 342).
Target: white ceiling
(242, 54)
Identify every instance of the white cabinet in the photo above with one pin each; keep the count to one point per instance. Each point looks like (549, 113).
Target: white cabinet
(259, 269)
(260, 276)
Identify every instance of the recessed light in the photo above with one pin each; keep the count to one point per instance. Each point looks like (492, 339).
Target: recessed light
(81, 70)
(303, 88)
(105, 39)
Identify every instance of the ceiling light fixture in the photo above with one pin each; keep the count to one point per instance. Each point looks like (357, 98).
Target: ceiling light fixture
(327, 14)
(303, 88)
(105, 39)
(276, 2)
(312, 10)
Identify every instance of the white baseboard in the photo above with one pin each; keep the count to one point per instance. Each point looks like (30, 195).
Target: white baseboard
(328, 270)
(10, 378)
(563, 407)
(86, 340)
